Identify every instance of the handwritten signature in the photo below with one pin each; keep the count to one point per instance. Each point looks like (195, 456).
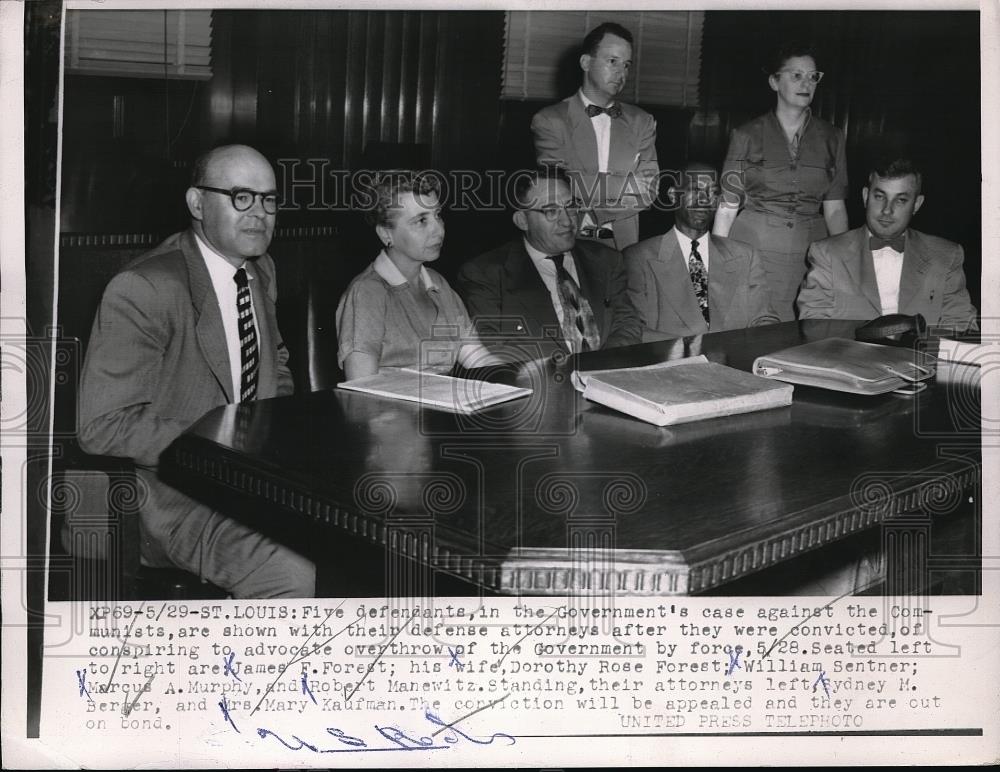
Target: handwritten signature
(401, 739)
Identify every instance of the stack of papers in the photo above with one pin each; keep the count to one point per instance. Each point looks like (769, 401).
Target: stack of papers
(456, 395)
(681, 390)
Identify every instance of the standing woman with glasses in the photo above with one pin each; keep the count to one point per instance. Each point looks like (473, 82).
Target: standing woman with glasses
(787, 169)
(399, 312)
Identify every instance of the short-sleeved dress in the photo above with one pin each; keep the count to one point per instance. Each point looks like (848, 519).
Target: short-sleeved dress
(402, 324)
(782, 190)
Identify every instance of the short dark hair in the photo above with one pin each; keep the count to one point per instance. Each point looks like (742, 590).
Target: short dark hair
(894, 167)
(596, 35)
(390, 185)
(788, 50)
(526, 180)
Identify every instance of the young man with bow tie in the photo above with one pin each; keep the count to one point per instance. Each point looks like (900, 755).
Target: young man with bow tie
(886, 267)
(607, 147)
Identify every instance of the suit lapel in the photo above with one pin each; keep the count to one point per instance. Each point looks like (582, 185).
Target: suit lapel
(861, 267)
(621, 153)
(266, 326)
(590, 287)
(623, 144)
(676, 284)
(208, 319)
(582, 132)
(721, 293)
(916, 261)
(529, 296)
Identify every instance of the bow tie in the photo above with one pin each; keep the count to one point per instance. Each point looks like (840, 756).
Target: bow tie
(896, 244)
(614, 110)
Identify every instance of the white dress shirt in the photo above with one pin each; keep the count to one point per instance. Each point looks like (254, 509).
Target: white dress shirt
(602, 128)
(222, 272)
(685, 245)
(547, 270)
(888, 271)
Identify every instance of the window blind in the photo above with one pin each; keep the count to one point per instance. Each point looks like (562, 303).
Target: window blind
(142, 44)
(666, 53)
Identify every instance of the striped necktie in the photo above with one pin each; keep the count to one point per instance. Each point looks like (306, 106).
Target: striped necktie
(248, 337)
(699, 279)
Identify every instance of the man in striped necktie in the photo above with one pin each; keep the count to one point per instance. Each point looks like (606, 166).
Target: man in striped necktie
(185, 328)
(547, 291)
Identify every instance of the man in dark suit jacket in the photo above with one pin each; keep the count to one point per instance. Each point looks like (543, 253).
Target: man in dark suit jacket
(886, 267)
(607, 147)
(687, 282)
(547, 292)
(174, 338)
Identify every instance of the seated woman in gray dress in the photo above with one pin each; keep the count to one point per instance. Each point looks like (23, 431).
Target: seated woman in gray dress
(399, 312)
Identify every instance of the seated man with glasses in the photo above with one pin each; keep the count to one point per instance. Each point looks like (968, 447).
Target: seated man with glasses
(182, 329)
(545, 291)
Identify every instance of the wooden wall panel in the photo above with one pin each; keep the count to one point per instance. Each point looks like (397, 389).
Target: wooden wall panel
(425, 107)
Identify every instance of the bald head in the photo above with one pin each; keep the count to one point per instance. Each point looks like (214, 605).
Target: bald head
(225, 154)
(696, 197)
(235, 235)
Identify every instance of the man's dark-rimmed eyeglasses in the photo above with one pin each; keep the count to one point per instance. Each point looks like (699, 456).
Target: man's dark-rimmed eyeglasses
(552, 211)
(243, 198)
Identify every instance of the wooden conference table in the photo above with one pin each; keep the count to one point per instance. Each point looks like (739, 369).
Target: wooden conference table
(551, 494)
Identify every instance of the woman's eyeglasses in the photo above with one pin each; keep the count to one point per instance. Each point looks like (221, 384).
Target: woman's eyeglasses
(798, 76)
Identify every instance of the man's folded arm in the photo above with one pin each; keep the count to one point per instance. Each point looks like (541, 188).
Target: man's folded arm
(637, 191)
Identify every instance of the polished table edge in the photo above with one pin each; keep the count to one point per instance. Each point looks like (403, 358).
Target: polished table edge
(584, 570)
(629, 572)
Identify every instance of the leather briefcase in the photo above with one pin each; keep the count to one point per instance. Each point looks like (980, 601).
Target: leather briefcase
(849, 365)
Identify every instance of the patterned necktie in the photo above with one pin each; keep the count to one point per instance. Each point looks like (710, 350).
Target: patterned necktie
(248, 337)
(579, 327)
(699, 279)
(896, 244)
(614, 110)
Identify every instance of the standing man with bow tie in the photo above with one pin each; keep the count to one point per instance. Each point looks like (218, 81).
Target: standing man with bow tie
(607, 147)
(886, 267)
